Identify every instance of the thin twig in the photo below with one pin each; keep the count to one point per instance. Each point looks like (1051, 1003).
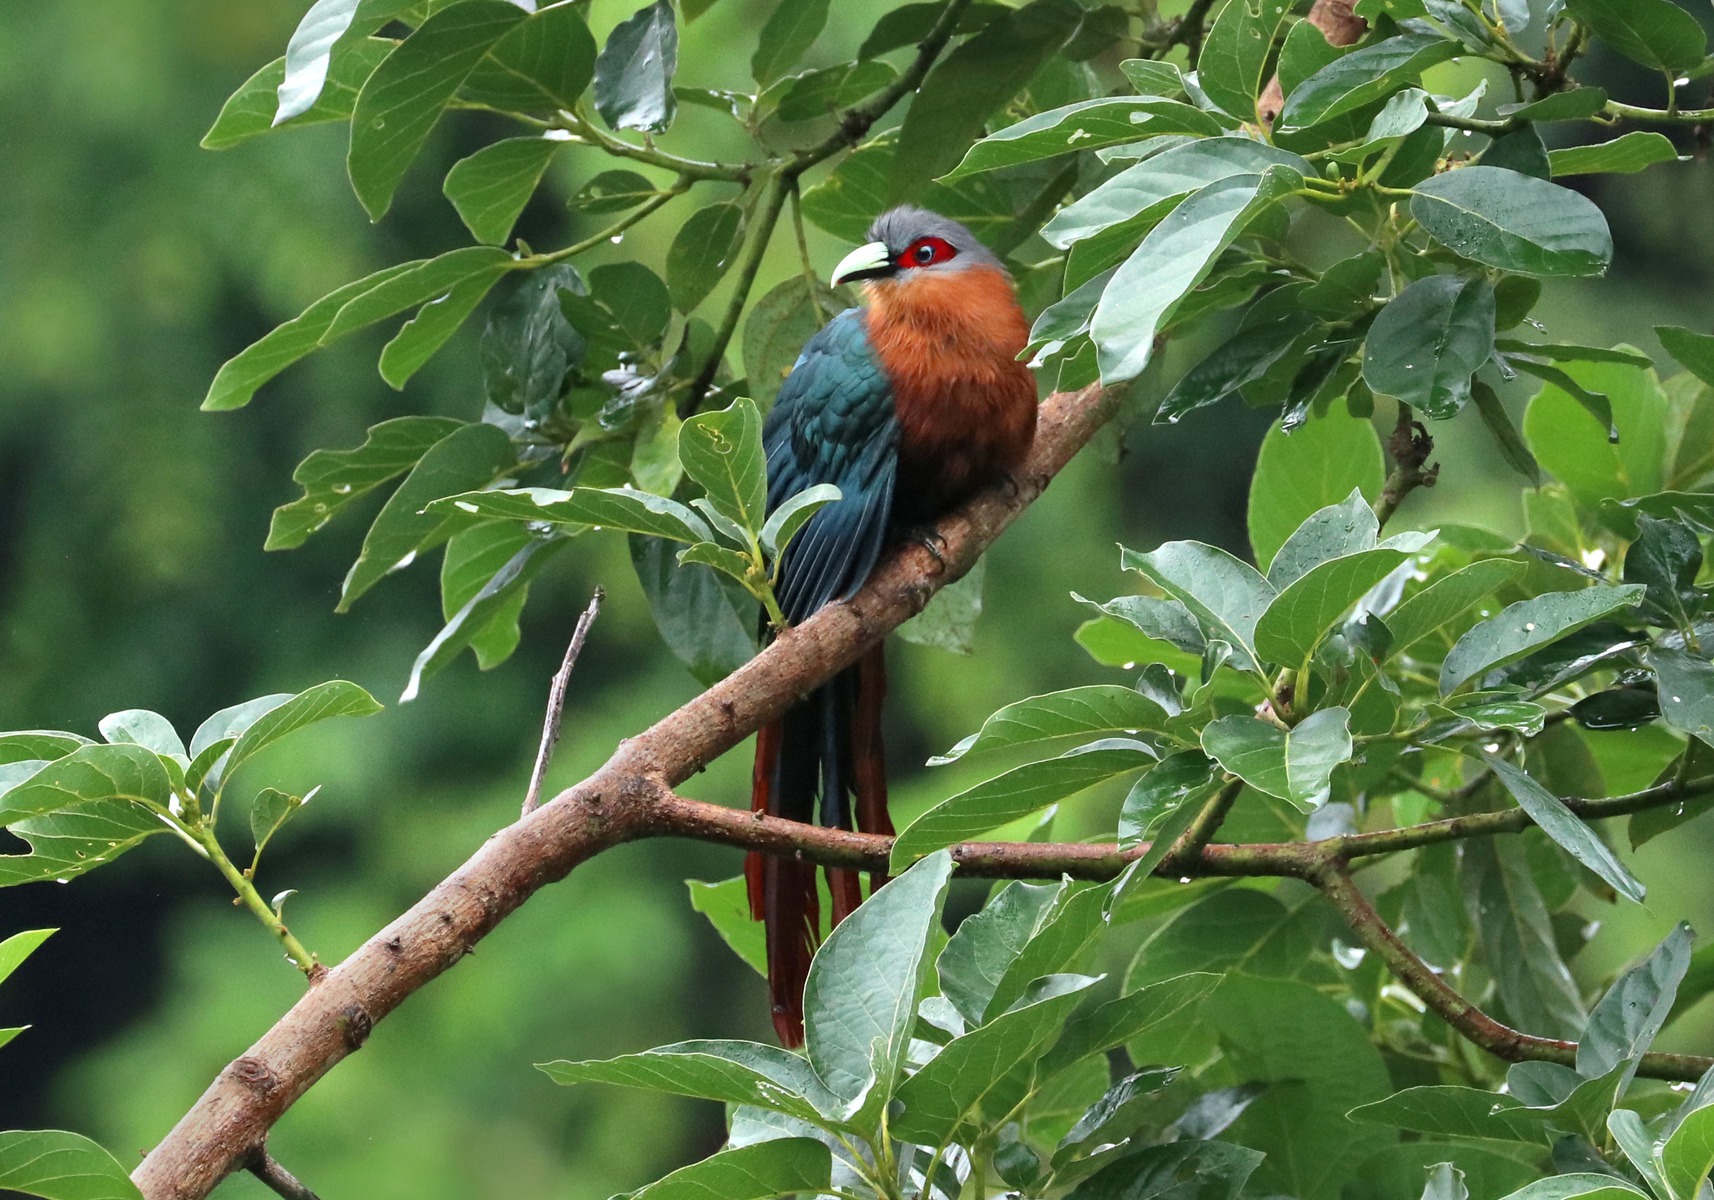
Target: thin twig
(1191, 843)
(556, 702)
(266, 1167)
(1410, 447)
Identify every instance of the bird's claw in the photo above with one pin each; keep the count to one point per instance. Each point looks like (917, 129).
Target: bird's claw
(930, 539)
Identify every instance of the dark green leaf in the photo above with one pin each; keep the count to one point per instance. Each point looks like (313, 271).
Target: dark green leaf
(1515, 938)
(1570, 104)
(528, 345)
(1573, 444)
(1116, 1115)
(705, 246)
(634, 72)
(1301, 473)
(989, 941)
(863, 986)
(1618, 708)
(950, 1092)
(723, 452)
(909, 24)
(777, 327)
(1242, 360)
(252, 110)
(419, 284)
(401, 102)
(788, 32)
(1306, 611)
(848, 200)
(1226, 596)
(1623, 1024)
(494, 607)
(1521, 150)
(1363, 76)
(1665, 559)
(1505, 431)
(424, 334)
(1429, 340)
(1336, 531)
(636, 297)
(622, 508)
(1526, 625)
(1182, 780)
(708, 625)
(969, 84)
(613, 191)
(1624, 155)
(776, 1168)
(1085, 125)
(1116, 1022)
(1295, 764)
(730, 1071)
(1098, 709)
(821, 93)
(1158, 619)
(490, 188)
(1686, 688)
(1656, 33)
(542, 66)
(62, 1166)
(469, 457)
(1017, 793)
(1193, 1170)
(1514, 222)
(1565, 828)
(1235, 54)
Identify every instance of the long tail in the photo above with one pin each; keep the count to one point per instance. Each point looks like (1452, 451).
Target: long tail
(827, 748)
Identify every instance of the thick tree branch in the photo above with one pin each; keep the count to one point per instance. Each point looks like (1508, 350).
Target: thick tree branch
(616, 804)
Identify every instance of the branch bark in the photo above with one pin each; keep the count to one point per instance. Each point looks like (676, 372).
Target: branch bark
(618, 803)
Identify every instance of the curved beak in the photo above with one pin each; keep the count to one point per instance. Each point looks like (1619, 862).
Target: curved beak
(873, 261)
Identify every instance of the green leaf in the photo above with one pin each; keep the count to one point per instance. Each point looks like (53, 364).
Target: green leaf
(1624, 155)
(726, 904)
(969, 84)
(473, 558)
(1578, 1186)
(722, 451)
(636, 297)
(604, 508)
(269, 812)
(75, 839)
(141, 727)
(91, 773)
(1656, 33)
(1017, 793)
(1506, 433)
(950, 1092)
(722, 558)
(1404, 113)
(495, 605)
(1514, 222)
(237, 380)
(1429, 340)
(1173, 258)
(613, 191)
(709, 625)
(1686, 688)
(263, 728)
(542, 66)
(420, 283)
(1098, 1029)
(1295, 765)
(1527, 625)
(1246, 358)
(404, 97)
(1575, 446)
(1688, 1155)
(1226, 596)
(308, 56)
(1085, 125)
(1191, 1168)
(1363, 76)
(26, 744)
(469, 457)
(1302, 473)
(1514, 936)
(528, 345)
(62, 1166)
(732, 1072)
(781, 1167)
(1623, 1024)
(1665, 558)
(634, 72)
(816, 94)
(789, 31)
(988, 942)
(1180, 781)
(1235, 54)
(15, 949)
(250, 112)
(490, 188)
(848, 200)
(1565, 828)
(1082, 711)
(1305, 612)
(1455, 1112)
(1330, 533)
(777, 327)
(863, 985)
(1065, 933)
(785, 521)
(1694, 350)
(1570, 104)
(704, 248)
(424, 334)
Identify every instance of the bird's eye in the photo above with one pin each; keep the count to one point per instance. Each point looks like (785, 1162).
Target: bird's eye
(925, 254)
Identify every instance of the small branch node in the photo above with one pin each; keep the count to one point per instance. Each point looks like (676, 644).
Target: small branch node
(280, 1181)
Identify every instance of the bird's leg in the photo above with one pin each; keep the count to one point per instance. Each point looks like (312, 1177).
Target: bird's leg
(930, 539)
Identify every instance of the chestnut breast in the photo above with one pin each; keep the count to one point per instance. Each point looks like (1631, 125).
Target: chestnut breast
(949, 343)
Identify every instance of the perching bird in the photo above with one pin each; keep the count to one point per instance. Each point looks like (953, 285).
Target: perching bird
(908, 405)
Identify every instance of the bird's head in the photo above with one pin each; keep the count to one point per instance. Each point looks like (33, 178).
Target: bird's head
(907, 244)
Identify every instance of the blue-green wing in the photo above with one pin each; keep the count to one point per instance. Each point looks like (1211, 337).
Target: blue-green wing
(834, 422)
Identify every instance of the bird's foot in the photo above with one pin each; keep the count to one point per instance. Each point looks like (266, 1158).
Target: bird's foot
(930, 539)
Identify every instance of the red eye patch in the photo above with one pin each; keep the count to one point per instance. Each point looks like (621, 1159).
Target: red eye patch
(926, 251)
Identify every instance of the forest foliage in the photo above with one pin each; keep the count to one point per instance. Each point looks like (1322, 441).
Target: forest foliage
(1444, 710)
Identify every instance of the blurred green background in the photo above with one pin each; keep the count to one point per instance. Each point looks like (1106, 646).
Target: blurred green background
(131, 575)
